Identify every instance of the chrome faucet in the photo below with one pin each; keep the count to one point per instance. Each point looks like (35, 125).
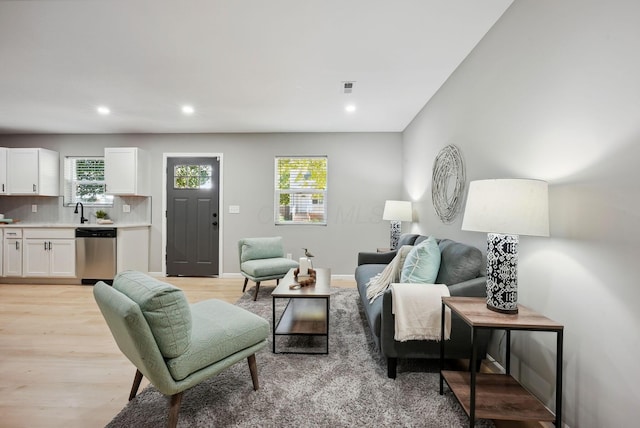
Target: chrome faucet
(82, 219)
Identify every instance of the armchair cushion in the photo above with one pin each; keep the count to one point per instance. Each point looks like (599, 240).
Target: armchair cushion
(164, 307)
(261, 248)
(213, 340)
(264, 268)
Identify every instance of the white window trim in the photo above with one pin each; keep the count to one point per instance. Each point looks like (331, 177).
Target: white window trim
(310, 191)
(70, 198)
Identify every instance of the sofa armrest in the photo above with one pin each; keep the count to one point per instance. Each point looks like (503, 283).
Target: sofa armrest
(476, 287)
(385, 258)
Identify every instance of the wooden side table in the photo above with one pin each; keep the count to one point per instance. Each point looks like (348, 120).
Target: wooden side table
(492, 395)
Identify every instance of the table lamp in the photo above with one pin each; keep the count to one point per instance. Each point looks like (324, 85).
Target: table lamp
(505, 209)
(396, 212)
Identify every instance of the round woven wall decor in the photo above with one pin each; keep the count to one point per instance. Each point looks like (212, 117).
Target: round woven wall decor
(447, 183)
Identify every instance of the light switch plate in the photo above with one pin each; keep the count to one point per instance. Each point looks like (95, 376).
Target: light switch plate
(234, 209)
(34, 208)
(126, 208)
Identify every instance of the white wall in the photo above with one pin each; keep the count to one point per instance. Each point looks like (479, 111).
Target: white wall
(553, 92)
(364, 170)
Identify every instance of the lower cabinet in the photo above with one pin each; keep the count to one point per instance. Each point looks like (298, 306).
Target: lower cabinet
(12, 253)
(133, 249)
(49, 253)
(49, 258)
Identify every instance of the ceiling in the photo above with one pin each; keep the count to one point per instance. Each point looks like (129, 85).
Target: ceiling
(244, 65)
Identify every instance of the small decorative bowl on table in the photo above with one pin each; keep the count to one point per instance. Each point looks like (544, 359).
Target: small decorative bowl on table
(303, 280)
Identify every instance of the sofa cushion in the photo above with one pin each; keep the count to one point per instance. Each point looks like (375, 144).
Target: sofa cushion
(164, 307)
(422, 263)
(220, 329)
(407, 239)
(268, 267)
(261, 248)
(459, 262)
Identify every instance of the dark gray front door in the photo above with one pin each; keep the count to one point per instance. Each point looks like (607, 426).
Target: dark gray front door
(193, 220)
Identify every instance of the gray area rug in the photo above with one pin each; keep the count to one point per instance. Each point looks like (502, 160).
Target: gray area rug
(346, 388)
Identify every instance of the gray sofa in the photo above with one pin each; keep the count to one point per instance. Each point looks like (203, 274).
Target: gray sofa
(461, 269)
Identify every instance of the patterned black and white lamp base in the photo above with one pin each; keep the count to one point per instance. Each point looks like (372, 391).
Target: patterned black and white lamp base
(502, 273)
(396, 229)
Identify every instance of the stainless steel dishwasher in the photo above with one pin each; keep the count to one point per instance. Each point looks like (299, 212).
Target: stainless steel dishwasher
(96, 254)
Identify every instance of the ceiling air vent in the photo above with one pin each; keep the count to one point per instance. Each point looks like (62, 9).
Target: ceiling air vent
(347, 87)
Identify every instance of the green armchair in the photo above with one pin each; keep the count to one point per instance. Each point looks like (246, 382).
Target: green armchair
(174, 344)
(262, 259)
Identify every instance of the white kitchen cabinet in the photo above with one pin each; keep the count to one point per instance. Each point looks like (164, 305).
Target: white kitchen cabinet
(33, 172)
(1, 248)
(12, 253)
(133, 249)
(49, 253)
(126, 171)
(3, 170)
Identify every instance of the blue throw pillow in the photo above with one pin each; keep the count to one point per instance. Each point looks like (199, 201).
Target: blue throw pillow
(422, 263)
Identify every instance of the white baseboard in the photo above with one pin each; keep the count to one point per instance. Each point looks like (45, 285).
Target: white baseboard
(238, 275)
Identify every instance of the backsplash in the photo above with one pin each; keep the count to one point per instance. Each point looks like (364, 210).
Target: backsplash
(52, 210)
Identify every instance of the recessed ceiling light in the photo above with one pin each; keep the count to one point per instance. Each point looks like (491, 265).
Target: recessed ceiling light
(350, 108)
(103, 110)
(187, 109)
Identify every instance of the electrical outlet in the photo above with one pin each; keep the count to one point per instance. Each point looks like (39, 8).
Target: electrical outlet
(34, 208)
(126, 208)
(234, 209)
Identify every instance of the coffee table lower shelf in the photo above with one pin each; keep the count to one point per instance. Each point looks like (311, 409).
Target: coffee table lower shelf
(303, 317)
(498, 396)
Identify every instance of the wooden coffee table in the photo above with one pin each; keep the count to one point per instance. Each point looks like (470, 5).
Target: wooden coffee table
(307, 311)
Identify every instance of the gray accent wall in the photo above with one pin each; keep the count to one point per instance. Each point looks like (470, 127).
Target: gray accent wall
(553, 92)
(364, 171)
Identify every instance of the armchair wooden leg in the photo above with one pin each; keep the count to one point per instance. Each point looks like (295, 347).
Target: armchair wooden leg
(245, 284)
(255, 296)
(253, 368)
(136, 384)
(176, 399)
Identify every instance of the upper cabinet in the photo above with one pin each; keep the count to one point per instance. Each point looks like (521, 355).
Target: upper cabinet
(3, 170)
(126, 171)
(32, 172)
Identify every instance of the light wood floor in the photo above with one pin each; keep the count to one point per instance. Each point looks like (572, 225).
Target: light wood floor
(59, 365)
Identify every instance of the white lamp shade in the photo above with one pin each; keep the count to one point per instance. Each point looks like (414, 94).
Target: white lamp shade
(508, 206)
(397, 210)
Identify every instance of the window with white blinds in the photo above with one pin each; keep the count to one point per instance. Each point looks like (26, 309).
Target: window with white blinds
(301, 190)
(84, 182)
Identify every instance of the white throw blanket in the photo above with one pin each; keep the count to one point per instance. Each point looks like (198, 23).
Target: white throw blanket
(418, 309)
(391, 273)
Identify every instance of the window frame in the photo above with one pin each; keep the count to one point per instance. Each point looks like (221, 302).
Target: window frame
(301, 191)
(71, 180)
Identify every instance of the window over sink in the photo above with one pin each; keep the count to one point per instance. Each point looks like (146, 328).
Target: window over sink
(84, 181)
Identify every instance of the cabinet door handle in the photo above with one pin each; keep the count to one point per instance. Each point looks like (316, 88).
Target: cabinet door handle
(17, 245)
(45, 246)
(49, 245)
(34, 188)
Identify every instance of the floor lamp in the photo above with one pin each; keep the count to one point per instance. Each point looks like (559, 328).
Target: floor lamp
(505, 209)
(396, 212)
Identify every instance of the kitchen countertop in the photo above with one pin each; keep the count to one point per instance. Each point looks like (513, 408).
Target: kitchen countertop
(72, 225)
